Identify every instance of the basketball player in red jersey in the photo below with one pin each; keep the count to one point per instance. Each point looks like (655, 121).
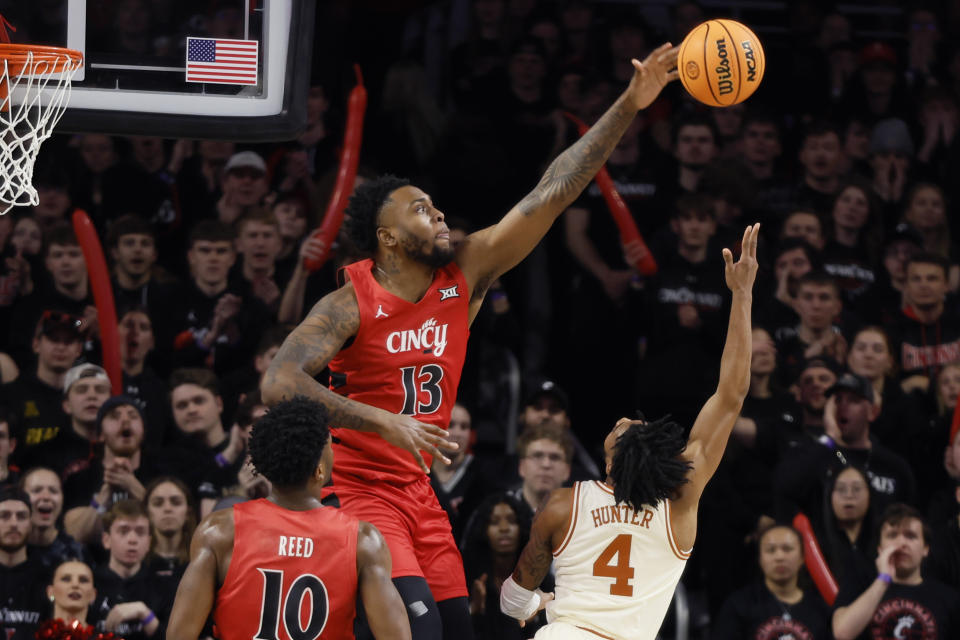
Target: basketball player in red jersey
(620, 546)
(394, 338)
(256, 563)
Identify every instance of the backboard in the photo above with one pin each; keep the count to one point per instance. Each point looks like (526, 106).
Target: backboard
(230, 69)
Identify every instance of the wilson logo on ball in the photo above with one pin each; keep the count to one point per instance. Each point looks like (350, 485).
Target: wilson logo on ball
(721, 62)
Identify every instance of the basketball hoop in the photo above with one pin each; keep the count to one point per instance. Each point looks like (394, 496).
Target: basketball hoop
(34, 91)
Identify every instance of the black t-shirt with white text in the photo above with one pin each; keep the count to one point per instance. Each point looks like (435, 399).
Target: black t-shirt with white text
(927, 611)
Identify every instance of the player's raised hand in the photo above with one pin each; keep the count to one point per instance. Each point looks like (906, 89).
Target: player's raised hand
(415, 436)
(652, 75)
(741, 274)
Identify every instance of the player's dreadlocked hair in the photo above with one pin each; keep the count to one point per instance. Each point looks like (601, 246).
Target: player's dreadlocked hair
(646, 463)
(287, 442)
(362, 214)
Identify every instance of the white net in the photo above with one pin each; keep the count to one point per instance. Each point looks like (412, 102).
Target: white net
(35, 89)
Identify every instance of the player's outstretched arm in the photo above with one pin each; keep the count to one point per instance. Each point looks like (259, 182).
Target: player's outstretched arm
(305, 353)
(384, 607)
(212, 541)
(711, 430)
(519, 596)
(490, 252)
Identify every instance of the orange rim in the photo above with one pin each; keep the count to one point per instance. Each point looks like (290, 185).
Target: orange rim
(60, 58)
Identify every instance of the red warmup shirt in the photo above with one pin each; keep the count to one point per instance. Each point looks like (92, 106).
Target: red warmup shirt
(292, 576)
(406, 358)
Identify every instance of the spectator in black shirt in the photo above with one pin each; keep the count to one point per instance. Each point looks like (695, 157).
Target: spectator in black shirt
(802, 478)
(216, 325)
(85, 388)
(22, 580)
(137, 343)
(778, 606)
(451, 482)
(899, 602)
(130, 602)
(68, 291)
(9, 474)
(244, 186)
(210, 456)
(35, 398)
(258, 247)
(118, 472)
(173, 517)
(928, 335)
(47, 542)
(821, 157)
(850, 524)
(818, 305)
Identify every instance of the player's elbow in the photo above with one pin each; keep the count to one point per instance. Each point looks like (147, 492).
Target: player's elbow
(273, 384)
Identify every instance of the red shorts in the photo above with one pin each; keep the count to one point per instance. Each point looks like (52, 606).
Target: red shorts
(416, 529)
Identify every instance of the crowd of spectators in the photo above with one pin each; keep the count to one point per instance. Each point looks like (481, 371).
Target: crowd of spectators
(848, 155)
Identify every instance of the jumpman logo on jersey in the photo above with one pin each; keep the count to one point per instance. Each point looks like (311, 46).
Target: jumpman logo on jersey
(449, 292)
(380, 312)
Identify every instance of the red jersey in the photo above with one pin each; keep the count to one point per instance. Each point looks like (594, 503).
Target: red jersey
(406, 358)
(292, 576)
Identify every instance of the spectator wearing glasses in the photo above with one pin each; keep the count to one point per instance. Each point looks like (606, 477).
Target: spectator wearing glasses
(546, 451)
(35, 398)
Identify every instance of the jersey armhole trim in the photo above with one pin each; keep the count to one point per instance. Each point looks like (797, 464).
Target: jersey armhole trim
(671, 537)
(572, 523)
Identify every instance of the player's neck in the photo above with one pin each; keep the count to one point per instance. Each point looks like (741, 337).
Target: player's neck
(403, 278)
(295, 499)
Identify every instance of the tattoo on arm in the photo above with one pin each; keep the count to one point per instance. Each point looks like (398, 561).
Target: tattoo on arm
(570, 173)
(535, 560)
(309, 349)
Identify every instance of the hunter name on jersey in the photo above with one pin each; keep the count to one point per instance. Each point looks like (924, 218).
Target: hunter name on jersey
(430, 337)
(621, 514)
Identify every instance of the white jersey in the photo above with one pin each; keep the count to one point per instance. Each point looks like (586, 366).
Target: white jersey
(616, 569)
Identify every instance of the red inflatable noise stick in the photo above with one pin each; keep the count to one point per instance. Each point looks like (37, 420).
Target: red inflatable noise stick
(102, 297)
(816, 564)
(629, 234)
(346, 174)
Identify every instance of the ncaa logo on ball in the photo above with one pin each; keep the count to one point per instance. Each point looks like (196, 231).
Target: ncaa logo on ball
(693, 71)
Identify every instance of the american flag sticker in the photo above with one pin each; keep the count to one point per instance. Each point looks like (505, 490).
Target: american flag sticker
(222, 61)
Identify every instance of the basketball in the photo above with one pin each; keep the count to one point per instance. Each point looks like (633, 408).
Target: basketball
(721, 62)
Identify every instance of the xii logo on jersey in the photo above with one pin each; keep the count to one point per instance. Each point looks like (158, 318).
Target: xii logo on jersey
(449, 292)
(430, 337)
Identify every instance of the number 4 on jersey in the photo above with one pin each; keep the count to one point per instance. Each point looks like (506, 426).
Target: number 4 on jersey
(621, 571)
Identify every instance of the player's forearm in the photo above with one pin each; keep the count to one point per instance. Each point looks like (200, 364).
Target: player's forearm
(286, 380)
(849, 622)
(570, 173)
(735, 361)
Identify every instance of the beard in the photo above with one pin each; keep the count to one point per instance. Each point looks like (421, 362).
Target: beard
(431, 255)
(8, 547)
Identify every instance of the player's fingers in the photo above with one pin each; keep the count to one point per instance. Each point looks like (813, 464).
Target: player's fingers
(636, 64)
(672, 75)
(419, 459)
(434, 430)
(727, 257)
(434, 451)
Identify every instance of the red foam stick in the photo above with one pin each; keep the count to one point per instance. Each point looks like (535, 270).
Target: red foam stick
(102, 297)
(816, 564)
(346, 174)
(629, 234)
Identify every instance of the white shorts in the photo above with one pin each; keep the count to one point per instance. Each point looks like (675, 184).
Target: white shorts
(565, 631)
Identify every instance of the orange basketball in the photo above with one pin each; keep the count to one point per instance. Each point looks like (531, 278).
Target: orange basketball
(721, 62)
